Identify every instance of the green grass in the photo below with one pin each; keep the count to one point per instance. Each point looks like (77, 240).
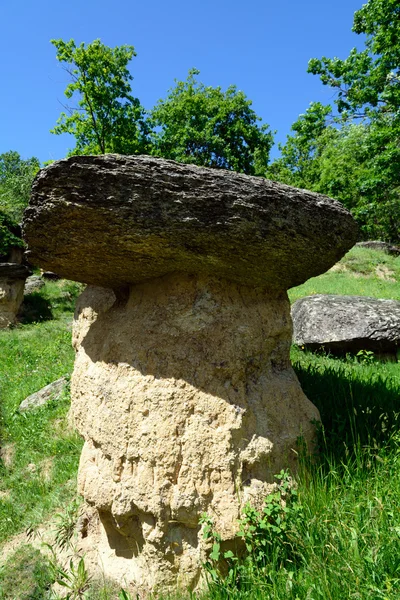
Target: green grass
(39, 453)
(359, 276)
(341, 535)
(26, 575)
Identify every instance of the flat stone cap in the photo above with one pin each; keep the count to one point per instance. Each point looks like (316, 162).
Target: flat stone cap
(13, 271)
(115, 220)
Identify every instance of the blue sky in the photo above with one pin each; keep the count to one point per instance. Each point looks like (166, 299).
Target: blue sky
(262, 46)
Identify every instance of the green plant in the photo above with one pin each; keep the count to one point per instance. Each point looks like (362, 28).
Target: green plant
(65, 524)
(365, 357)
(8, 236)
(75, 579)
(268, 534)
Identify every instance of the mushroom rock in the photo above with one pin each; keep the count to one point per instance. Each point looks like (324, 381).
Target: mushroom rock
(182, 386)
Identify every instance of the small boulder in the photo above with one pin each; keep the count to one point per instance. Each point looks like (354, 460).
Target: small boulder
(341, 324)
(34, 283)
(49, 392)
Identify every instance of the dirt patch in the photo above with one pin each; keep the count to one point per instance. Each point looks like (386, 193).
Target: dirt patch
(7, 454)
(384, 273)
(338, 268)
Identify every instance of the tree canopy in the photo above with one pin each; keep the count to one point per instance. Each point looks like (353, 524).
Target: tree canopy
(16, 177)
(357, 163)
(206, 126)
(106, 117)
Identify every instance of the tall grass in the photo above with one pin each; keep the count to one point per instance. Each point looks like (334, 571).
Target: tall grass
(39, 452)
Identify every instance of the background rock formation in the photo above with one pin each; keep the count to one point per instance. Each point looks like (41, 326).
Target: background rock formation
(341, 324)
(182, 386)
(12, 283)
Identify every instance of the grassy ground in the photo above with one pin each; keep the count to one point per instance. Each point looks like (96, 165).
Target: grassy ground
(362, 272)
(338, 536)
(39, 452)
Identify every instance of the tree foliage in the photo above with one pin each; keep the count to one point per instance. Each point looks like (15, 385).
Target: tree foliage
(206, 126)
(106, 118)
(298, 164)
(368, 82)
(16, 177)
(357, 163)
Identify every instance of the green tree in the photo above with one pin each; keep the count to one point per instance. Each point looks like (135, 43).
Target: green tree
(368, 86)
(299, 163)
(16, 177)
(106, 117)
(368, 82)
(206, 126)
(357, 163)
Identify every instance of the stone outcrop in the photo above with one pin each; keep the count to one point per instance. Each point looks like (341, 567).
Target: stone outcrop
(52, 391)
(33, 284)
(12, 282)
(182, 386)
(341, 324)
(378, 245)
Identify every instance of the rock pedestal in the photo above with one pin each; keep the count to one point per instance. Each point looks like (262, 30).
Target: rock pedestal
(194, 407)
(182, 387)
(12, 283)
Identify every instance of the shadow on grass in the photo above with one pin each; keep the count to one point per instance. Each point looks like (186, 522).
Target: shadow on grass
(359, 408)
(35, 309)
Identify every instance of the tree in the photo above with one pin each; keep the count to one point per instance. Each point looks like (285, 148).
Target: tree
(368, 82)
(206, 126)
(298, 164)
(357, 163)
(107, 118)
(16, 177)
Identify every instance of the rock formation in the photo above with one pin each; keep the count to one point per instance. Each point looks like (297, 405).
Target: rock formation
(378, 245)
(33, 284)
(182, 386)
(52, 391)
(12, 283)
(341, 324)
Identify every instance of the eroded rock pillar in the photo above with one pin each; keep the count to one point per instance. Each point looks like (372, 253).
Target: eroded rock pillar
(188, 404)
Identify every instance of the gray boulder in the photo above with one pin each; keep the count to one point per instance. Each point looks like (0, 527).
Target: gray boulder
(43, 396)
(34, 283)
(341, 324)
(116, 220)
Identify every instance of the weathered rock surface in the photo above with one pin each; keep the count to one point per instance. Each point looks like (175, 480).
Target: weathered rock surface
(12, 282)
(112, 220)
(43, 396)
(378, 245)
(194, 407)
(182, 386)
(347, 323)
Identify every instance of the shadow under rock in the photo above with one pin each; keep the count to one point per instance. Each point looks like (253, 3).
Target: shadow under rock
(354, 412)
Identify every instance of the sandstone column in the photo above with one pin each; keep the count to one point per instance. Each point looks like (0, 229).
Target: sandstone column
(182, 387)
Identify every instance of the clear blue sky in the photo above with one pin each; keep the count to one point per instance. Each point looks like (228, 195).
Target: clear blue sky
(262, 46)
